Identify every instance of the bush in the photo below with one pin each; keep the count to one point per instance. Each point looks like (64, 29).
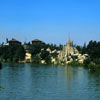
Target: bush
(75, 63)
(36, 59)
(86, 62)
(93, 67)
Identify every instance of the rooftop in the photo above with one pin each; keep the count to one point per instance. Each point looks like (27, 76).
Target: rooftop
(14, 40)
(36, 40)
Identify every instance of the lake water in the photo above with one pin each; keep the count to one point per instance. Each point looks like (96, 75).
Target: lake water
(41, 82)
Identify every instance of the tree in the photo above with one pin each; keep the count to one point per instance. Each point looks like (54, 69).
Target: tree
(13, 52)
(44, 54)
(36, 48)
(36, 59)
(20, 53)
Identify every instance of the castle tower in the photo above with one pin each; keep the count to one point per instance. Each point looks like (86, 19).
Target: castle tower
(69, 47)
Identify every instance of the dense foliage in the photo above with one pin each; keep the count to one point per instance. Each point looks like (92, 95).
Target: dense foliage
(41, 51)
(93, 49)
(12, 53)
(16, 52)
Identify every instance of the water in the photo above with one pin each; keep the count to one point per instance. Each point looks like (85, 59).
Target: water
(39, 82)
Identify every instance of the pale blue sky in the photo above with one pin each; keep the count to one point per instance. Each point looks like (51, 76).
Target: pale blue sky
(50, 20)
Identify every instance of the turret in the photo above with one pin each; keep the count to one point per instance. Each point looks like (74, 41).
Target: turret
(6, 40)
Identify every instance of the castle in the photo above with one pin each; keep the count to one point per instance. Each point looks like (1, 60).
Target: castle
(70, 53)
(68, 50)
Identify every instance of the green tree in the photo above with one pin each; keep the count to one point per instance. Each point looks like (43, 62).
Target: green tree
(36, 59)
(44, 54)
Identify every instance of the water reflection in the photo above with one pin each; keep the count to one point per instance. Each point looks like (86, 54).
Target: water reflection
(39, 82)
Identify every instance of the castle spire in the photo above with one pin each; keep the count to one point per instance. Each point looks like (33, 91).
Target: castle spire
(69, 42)
(69, 36)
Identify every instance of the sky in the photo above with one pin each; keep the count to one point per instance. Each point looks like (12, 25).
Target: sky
(50, 20)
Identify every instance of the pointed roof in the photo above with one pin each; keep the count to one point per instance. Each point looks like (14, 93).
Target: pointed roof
(69, 41)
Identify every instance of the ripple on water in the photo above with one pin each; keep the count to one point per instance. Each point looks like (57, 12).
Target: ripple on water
(38, 82)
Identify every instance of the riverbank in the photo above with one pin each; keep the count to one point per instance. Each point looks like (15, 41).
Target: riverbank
(53, 64)
(92, 67)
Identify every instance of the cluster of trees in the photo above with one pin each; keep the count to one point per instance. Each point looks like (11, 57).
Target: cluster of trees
(12, 53)
(39, 52)
(93, 49)
(16, 52)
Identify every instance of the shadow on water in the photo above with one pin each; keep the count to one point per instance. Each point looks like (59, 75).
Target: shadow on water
(0, 66)
(1, 88)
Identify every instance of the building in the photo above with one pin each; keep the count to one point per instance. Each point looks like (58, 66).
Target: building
(70, 54)
(38, 41)
(13, 41)
(28, 57)
(68, 50)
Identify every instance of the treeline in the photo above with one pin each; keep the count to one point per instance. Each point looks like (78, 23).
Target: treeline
(39, 51)
(16, 52)
(12, 53)
(93, 61)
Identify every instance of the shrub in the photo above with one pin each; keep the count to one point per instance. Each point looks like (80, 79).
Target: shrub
(36, 59)
(93, 67)
(86, 62)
